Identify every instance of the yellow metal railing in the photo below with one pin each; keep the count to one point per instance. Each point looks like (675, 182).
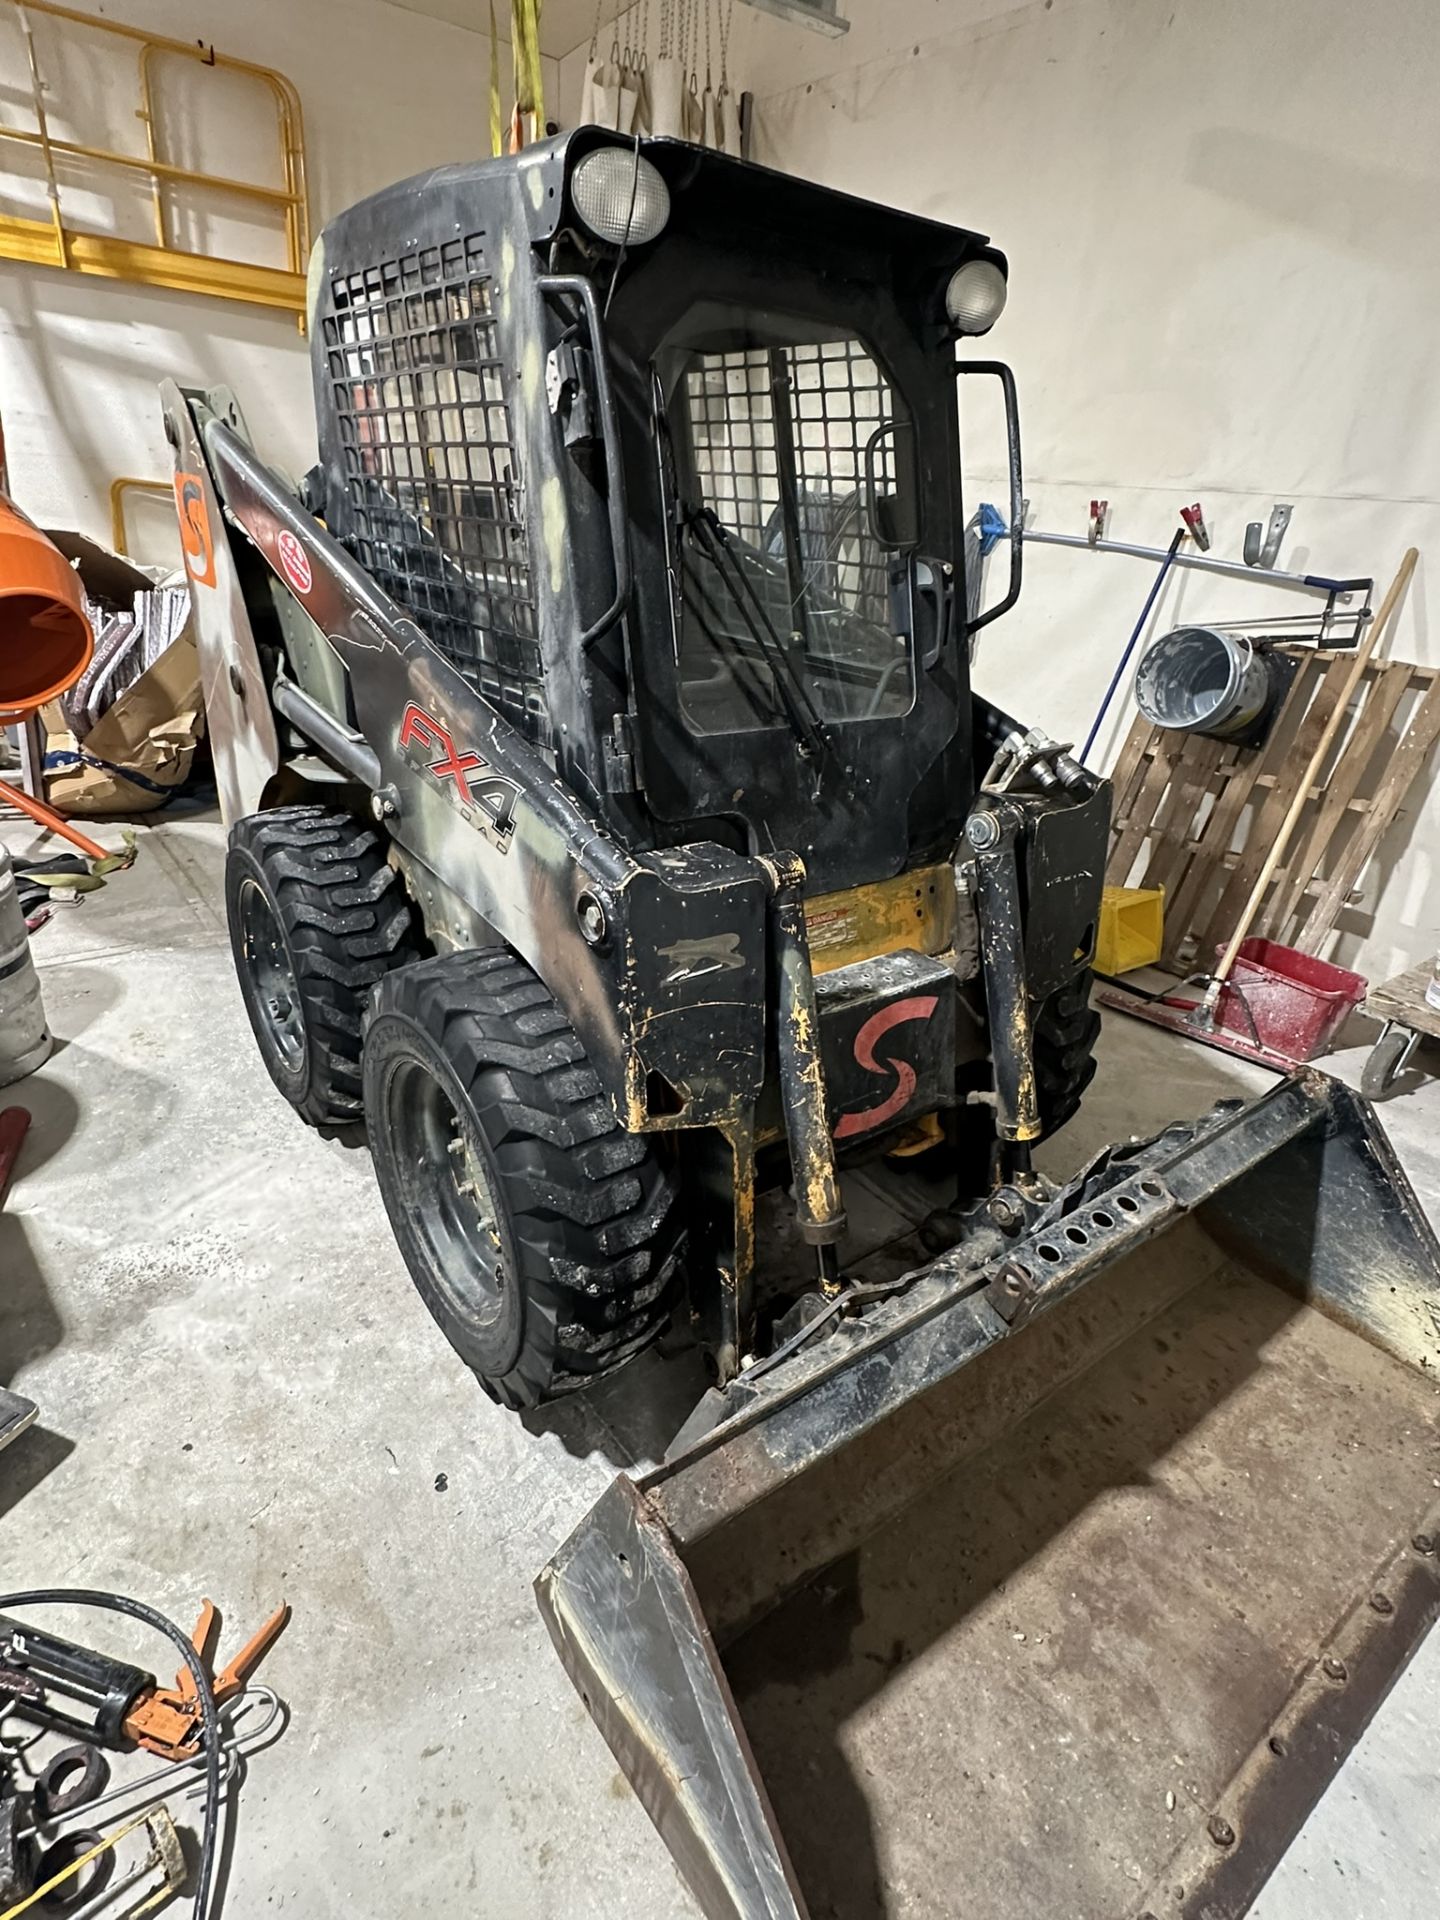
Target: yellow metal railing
(164, 264)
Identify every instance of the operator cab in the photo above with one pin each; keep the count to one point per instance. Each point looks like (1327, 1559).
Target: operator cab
(786, 367)
(661, 450)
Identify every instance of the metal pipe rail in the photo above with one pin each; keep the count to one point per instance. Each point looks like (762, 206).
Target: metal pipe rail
(50, 242)
(1209, 563)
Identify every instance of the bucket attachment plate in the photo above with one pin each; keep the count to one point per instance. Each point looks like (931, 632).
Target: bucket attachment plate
(1070, 1536)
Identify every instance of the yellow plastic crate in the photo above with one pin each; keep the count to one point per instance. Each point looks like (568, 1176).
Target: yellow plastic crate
(1132, 928)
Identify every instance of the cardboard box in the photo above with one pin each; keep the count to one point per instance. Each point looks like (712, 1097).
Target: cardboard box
(141, 747)
(138, 752)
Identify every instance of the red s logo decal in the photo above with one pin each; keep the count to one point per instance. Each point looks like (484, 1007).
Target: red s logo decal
(920, 1007)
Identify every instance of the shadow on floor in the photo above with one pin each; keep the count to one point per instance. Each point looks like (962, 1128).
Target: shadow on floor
(30, 1327)
(54, 1115)
(630, 1417)
(352, 1136)
(80, 995)
(27, 1461)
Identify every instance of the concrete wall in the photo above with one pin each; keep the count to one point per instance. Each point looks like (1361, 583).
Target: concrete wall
(385, 93)
(1221, 225)
(1220, 221)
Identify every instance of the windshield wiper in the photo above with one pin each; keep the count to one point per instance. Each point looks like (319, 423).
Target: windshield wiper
(712, 538)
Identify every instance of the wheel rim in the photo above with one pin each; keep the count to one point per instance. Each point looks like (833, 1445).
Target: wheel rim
(449, 1194)
(274, 989)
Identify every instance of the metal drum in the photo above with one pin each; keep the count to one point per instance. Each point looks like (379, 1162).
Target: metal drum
(1198, 680)
(25, 1039)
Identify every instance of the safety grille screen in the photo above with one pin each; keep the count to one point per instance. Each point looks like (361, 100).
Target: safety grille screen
(793, 465)
(828, 401)
(437, 513)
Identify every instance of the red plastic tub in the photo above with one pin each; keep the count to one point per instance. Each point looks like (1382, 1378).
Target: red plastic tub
(1286, 1002)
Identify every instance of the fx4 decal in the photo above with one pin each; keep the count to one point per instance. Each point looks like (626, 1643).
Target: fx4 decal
(482, 795)
(919, 1007)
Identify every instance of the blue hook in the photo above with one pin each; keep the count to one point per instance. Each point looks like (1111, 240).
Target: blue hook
(992, 528)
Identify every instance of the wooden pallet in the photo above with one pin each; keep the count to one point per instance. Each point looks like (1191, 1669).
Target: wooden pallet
(1197, 817)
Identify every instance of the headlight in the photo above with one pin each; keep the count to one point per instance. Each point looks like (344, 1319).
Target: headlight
(620, 196)
(975, 297)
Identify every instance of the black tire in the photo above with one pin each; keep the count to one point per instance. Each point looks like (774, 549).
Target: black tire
(1066, 1029)
(1382, 1067)
(541, 1235)
(316, 917)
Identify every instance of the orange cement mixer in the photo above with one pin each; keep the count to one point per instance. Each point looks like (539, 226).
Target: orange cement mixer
(45, 642)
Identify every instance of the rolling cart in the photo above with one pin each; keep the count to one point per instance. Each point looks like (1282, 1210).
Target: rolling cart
(1409, 1019)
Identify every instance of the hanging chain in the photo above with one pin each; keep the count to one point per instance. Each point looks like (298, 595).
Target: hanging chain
(709, 6)
(727, 14)
(595, 30)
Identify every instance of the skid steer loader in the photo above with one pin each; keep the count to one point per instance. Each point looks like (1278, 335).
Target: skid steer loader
(614, 827)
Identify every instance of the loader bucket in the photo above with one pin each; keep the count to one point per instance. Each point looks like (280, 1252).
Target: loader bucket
(1060, 1581)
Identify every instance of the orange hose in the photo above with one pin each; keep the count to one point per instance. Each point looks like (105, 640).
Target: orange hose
(44, 816)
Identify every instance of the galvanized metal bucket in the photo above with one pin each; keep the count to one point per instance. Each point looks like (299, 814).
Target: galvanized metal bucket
(1198, 680)
(25, 1039)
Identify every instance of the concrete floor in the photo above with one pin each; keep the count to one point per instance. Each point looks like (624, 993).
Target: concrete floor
(243, 1397)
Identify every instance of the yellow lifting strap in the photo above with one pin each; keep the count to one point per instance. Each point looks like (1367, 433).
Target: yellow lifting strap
(528, 76)
(529, 82)
(497, 141)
